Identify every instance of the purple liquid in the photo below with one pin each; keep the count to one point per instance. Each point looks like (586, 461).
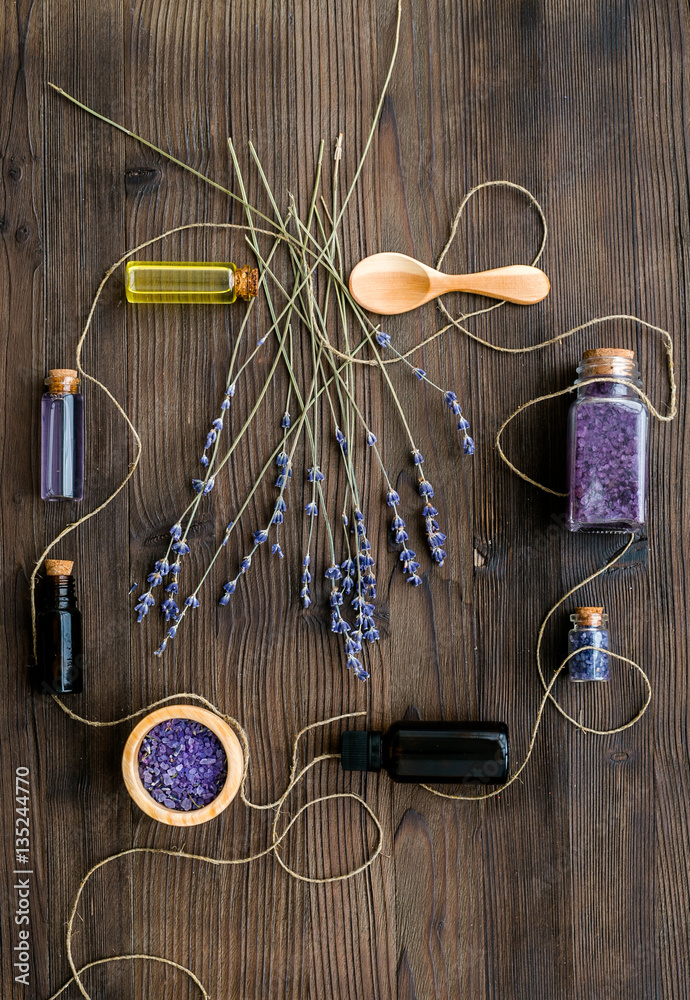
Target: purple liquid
(591, 664)
(607, 460)
(62, 446)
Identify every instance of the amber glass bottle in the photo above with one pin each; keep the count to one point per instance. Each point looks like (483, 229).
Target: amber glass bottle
(58, 632)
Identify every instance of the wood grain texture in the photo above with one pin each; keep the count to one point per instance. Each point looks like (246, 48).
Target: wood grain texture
(574, 883)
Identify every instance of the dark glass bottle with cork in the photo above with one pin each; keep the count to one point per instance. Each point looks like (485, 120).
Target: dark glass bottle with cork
(431, 752)
(58, 632)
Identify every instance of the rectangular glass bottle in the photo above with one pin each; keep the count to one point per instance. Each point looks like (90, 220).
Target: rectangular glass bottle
(189, 282)
(62, 437)
(607, 446)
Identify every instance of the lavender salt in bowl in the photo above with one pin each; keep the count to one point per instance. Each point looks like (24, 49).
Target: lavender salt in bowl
(182, 765)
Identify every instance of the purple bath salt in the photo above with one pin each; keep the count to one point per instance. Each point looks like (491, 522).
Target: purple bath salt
(607, 446)
(182, 764)
(589, 629)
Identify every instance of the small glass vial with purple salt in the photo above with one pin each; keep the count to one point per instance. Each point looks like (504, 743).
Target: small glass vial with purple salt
(589, 629)
(607, 445)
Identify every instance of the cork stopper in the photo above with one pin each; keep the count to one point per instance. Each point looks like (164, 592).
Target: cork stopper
(62, 380)
(609, 352)
(616, 361)
(247, 282)
(59, 567)
(590, 617)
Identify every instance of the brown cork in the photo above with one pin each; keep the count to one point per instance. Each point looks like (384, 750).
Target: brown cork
(247, 282)
(608, 352)
(62, 380)
(59, 567)
(591, 617)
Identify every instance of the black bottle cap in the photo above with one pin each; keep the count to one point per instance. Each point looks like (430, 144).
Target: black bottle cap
(360, 751)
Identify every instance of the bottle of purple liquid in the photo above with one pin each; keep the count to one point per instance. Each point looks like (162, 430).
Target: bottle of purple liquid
(589, 629)
(607, 446)
(62, 437)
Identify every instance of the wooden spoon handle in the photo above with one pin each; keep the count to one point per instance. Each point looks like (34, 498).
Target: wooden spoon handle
(518, 283)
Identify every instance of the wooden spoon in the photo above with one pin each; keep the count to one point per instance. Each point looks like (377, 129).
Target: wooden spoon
(388, 283)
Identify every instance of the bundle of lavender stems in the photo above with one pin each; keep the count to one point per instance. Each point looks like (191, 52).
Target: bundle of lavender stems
(319, 306)
(316, 308)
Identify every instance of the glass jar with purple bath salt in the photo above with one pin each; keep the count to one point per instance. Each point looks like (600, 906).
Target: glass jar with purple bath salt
(607, 445)
(589, 629)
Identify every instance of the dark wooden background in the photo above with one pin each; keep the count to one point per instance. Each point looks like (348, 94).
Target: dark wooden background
(575, 882)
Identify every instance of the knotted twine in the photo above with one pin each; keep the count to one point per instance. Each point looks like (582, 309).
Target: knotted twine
(295, 775)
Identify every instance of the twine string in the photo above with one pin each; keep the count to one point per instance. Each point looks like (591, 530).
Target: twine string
(296, 775)
(277, 836)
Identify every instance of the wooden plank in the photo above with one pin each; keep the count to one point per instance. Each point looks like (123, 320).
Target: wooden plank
(573, 883)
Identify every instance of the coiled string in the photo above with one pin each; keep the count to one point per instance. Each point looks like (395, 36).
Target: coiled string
(277, 836)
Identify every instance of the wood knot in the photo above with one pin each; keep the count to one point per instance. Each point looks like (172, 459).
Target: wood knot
(619, 756)
(140, 178)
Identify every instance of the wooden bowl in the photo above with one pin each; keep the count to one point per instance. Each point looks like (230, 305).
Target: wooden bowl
(178, 817)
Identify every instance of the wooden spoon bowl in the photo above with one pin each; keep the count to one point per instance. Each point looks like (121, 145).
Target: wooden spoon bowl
(389, 283)
(178, 817)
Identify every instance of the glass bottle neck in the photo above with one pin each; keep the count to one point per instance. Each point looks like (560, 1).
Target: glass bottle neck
(59, 593)
(617, 363)
(589, 618)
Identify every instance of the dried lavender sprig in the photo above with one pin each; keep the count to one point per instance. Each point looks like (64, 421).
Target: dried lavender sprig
(293, 430)
(179, 544)
(449, 397)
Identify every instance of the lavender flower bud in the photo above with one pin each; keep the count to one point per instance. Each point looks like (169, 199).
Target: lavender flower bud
(217, 424)
(176, 531)
(311, 509)
(417, 457)
(383, 339)
(285, 422)
(276, 550)
(468, 446)
(392, 498)
(192, 602)
(225, 405)
(229, 587)
(420, 373)
(260, 537)
(371, 439)
(425, 488)
(209, 485)
(204, 460)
